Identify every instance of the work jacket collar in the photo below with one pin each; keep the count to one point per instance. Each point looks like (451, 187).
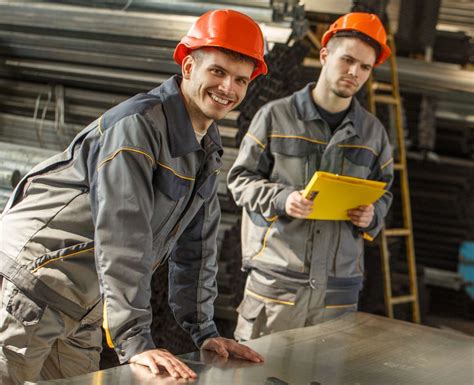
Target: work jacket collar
(306, 109)
(181, 134)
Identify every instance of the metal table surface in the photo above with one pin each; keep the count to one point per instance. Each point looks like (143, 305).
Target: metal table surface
(356, 349)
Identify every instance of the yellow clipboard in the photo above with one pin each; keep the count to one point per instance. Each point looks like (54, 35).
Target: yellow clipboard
(334, 194)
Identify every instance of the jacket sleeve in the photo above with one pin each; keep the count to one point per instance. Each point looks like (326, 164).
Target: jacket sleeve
(122, 204)
(382, 171)
(248, 179)
(192, 273)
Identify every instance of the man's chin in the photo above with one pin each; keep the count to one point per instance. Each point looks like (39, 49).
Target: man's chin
(216, 115)
(344, 94)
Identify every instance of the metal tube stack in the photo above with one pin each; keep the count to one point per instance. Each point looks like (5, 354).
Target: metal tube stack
(15, 162)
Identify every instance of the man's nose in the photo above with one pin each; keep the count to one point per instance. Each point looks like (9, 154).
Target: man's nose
(226, 84)
(353, 70)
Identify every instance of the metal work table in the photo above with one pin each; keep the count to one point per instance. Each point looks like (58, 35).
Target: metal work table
(356, 349)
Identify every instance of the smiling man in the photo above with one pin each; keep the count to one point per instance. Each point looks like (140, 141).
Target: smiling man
(302, 272)
(84, 231)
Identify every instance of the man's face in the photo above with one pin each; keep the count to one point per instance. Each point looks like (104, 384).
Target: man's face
(216, 83)
(347, 65)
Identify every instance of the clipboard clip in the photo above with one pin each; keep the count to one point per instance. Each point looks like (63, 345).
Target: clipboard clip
(312, 195)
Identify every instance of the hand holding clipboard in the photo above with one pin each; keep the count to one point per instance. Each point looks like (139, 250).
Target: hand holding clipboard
(334, 194)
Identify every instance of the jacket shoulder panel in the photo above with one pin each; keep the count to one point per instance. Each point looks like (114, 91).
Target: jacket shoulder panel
(137, 105)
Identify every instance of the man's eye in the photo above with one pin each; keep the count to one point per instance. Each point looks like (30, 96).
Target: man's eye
(242, 82)
(216, 71)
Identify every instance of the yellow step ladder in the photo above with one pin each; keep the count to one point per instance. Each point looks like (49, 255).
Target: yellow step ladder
(389, 94)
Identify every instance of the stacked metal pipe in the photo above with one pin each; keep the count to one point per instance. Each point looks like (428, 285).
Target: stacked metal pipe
(15, 162)
(284, 70)
(260, 10)
(96, 47)
(456, 15)
(442, 194)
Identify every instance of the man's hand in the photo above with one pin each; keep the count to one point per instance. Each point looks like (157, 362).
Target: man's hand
(298, 207)
(225, 347)
(361, 216)
(161, 357)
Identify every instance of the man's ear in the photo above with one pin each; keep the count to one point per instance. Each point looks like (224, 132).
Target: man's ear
(323, 54)
(187, 66)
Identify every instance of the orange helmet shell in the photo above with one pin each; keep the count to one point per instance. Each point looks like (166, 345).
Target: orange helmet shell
(365, 23)
(228, 29)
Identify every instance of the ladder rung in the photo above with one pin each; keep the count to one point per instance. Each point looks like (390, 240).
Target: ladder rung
(386, 99)
(402, 299)
(397, 232)
(398, 166)
(382, 86)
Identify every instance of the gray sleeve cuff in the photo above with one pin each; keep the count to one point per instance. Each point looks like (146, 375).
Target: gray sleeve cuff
(135, 345)
(280, 201)
(201, 335)
(374, 228)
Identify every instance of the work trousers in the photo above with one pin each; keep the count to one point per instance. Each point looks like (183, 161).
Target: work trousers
(40, 343)
(261, 313)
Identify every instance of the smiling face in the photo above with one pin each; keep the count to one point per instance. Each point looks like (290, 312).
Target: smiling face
(347, 64)
(214, 83)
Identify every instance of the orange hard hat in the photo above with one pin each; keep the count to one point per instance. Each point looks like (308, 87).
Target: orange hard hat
(228, 29)
(366, 24)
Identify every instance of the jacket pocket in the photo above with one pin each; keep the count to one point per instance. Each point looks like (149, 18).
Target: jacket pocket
(172, 185)
(77, 251)
(20, 319)
(250, 309)
(349, 252)
(71, 272)
(265, 309)
(24, 309)
(342, 296)
(205, 190)
(358, 161)
(169, 191)
(255, 229)
(270, 294)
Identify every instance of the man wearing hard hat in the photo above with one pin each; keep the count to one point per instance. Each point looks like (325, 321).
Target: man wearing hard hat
(302, 272)
(84, 230)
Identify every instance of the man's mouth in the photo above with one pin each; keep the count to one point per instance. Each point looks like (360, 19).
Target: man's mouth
(351, 82)
(219, 99)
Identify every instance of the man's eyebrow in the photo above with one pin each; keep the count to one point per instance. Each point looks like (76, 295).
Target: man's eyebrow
(353, 58)
(217, 66)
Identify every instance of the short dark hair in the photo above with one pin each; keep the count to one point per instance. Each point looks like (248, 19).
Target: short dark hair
(358, 35)
(197, 54)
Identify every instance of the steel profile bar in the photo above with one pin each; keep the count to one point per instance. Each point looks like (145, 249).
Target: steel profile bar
(23, 154)
(115, 24)
(9, 178)
(91, 21)
(197, 8)
(11, 40)
(122, 61)
(143, 3)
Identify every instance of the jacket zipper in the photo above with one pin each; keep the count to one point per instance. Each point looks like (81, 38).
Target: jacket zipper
(339, 228)
(337, 247)
(309, 247)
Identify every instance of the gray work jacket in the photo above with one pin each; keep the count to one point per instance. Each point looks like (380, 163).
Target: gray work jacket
(286, 143)
(95, 221)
